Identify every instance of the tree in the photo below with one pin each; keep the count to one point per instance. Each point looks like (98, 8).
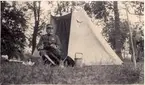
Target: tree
(131, 39)
(13, 28)
(117, 28)
(136, 40)
(35, 7)
(37, 18)
(109, 32)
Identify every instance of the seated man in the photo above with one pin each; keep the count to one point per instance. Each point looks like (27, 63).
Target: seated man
(49, 44)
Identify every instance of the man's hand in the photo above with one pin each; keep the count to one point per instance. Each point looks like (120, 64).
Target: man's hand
(40, 47)
(53, 45)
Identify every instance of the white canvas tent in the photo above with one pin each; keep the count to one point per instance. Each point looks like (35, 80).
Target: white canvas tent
(79, 35)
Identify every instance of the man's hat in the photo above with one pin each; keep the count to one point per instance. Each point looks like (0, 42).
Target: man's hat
(49, 26)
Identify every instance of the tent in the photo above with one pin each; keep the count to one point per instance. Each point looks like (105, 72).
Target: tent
(80, 38)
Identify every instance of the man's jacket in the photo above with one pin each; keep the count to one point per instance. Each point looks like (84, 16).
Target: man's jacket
(46, 40)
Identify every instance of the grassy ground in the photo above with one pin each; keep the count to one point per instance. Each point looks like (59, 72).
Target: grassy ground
(16, 73)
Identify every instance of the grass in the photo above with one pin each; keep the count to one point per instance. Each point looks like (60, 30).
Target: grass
(16, 73)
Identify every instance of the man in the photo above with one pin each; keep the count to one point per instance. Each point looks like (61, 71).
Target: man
(49, 46)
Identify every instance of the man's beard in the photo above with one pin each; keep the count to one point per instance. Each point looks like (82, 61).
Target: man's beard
(50, 33)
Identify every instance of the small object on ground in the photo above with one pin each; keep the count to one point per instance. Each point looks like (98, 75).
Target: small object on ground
(5, 57)
(15, 60)
(28, 63)
(61, 65)
(78, 59)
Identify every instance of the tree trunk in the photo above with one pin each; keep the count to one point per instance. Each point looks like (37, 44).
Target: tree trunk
(0, 29)
(131, 40)
(36, 17)
(34, 36)
(117, 28)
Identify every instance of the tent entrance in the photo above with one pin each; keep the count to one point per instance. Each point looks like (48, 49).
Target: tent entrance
(62, 26)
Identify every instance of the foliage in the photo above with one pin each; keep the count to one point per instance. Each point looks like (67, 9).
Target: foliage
(13, 28)
(99, 9)
(109, 32)
(67, 6)
(62, 7)
(138, 40)
(137, 28)
(138, 7)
